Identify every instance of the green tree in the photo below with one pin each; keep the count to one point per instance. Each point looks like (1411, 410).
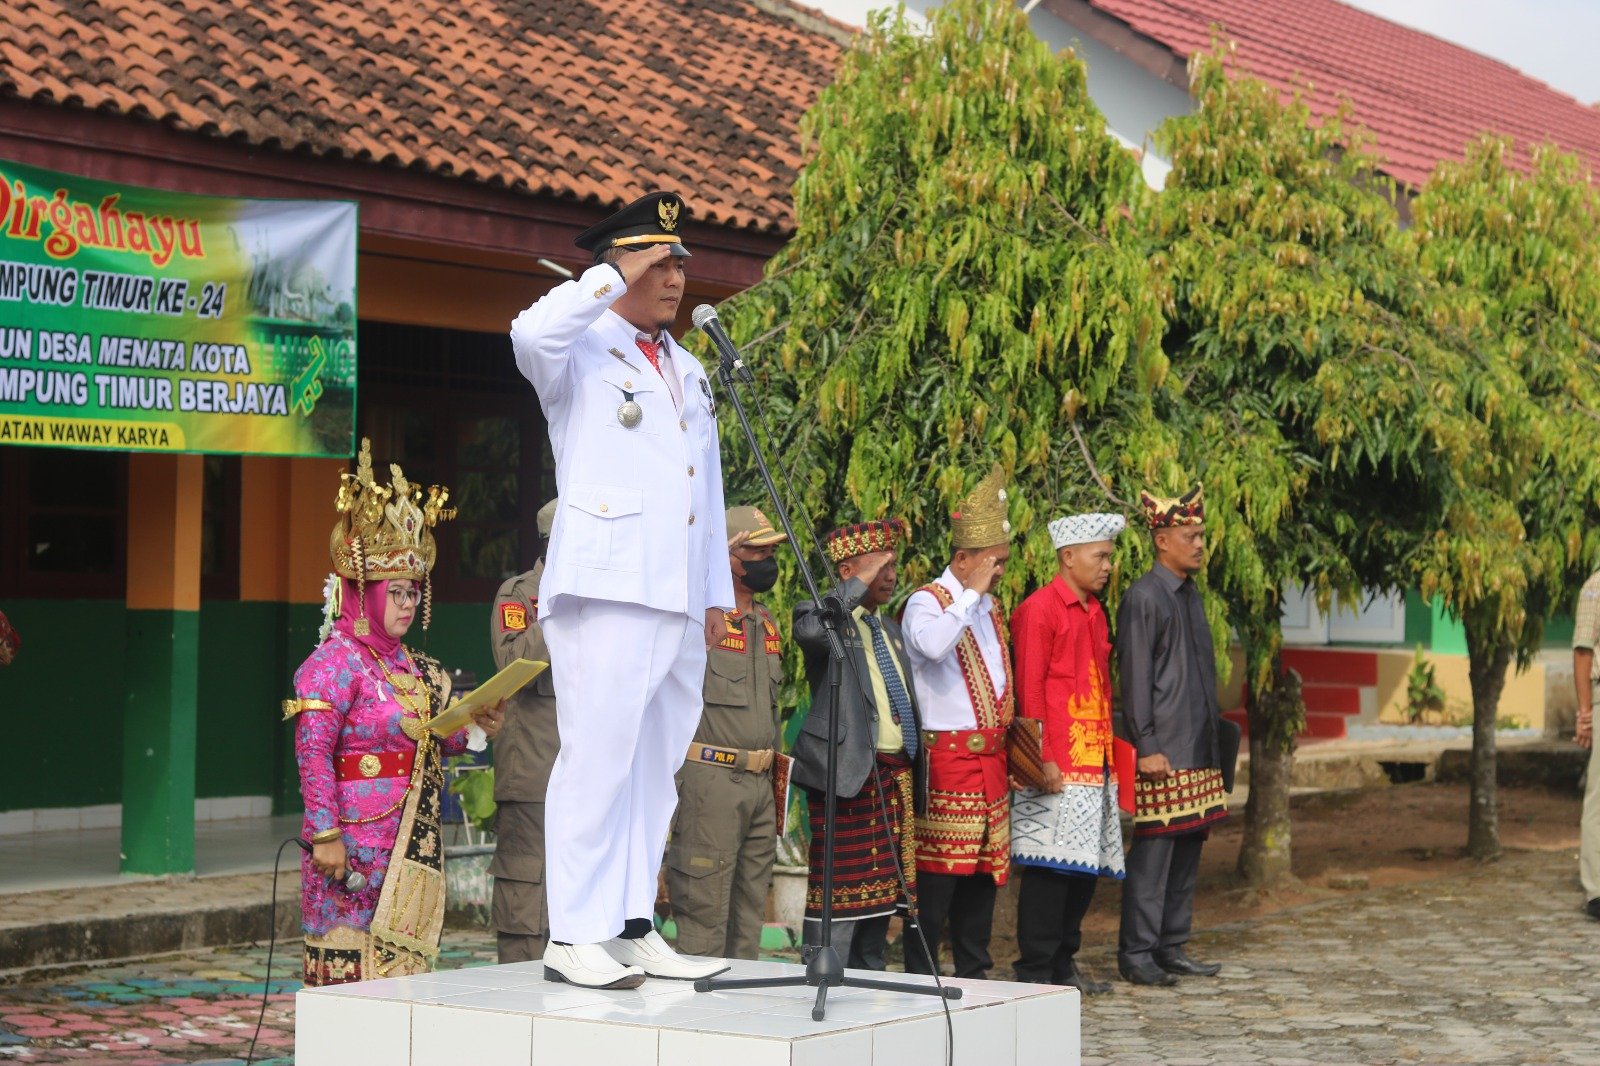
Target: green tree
(1520, 254)
(964, 278)
(1317, 391)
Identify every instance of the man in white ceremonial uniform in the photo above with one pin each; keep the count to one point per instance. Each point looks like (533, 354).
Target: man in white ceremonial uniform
(961, 667)
(635, 584)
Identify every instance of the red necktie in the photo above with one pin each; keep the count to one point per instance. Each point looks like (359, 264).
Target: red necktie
(652, 352)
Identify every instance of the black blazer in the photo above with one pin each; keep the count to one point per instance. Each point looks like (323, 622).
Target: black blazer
(858, 709)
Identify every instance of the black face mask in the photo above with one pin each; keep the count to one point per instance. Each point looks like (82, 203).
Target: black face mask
(760, 575)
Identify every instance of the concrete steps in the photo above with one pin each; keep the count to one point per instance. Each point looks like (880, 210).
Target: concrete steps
(1338, 684)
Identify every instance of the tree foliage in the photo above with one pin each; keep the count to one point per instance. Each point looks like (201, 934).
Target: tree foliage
(1518, 254)
(1318, 385)
(964, 277)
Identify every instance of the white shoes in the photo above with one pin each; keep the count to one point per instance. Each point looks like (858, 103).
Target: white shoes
(655, 958)
(589, 965)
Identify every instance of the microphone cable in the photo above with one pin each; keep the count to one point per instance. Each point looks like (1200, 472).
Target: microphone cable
(914, 922)
(272, 943)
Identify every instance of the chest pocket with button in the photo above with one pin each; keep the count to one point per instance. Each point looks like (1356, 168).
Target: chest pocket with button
(645, 389)
(728, 677)
(605, 525)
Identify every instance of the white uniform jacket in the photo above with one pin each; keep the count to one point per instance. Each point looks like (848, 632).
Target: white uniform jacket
(641, 515)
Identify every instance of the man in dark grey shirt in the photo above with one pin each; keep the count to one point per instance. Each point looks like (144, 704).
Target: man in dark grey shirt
(1170, 712)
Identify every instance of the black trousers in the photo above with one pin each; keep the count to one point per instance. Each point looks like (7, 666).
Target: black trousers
(1050, 909)
(860, 943)
(966, 903)
(1158, 896)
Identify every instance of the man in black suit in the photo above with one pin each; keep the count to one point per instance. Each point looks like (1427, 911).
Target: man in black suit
(877, 747)
(1170, 711)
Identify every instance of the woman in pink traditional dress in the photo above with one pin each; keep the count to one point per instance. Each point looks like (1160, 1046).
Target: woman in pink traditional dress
(370, 770)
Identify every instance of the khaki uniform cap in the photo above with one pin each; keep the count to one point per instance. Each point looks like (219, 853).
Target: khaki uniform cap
(547, 517)
(750, 520)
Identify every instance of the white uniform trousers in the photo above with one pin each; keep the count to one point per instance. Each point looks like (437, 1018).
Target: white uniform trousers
(628, 699)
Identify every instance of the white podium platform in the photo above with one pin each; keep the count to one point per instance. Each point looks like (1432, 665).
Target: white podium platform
(511, 1016)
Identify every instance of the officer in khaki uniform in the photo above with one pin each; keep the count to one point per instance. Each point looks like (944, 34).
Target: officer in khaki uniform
(523, 754)
(724, 837)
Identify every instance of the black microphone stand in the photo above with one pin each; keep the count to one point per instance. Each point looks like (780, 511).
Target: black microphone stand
(824, 970)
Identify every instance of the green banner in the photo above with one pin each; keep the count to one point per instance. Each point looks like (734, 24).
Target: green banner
(136, 319)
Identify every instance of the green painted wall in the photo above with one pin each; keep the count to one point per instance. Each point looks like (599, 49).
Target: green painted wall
(1419, 620)
(158, 750)
(68, 677)
(72, 671)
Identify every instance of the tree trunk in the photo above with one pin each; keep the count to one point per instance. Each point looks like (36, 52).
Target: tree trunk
(1276, 712)
(1488, 655)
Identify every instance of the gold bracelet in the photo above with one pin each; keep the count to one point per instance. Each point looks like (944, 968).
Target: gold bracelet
(327, 836)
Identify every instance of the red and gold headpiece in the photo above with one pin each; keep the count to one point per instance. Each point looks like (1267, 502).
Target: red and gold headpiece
(879, 535)
(1162, 513)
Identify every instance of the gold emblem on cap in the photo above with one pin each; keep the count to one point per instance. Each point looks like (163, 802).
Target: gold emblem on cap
(667, 211)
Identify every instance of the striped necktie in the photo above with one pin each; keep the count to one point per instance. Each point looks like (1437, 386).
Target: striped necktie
(899, 701)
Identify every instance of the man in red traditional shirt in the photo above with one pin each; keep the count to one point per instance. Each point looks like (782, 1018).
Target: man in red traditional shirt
(1067, 837)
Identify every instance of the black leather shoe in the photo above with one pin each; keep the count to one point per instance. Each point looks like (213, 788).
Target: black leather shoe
(1593, 907)
(1074, 978)
(1180, 963)
(1146, 975)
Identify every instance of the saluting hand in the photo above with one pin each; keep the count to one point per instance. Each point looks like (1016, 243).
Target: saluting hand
(869, 566)
(985, 574)
(634, 264)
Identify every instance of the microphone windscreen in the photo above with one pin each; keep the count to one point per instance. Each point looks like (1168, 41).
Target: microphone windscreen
(703, 314)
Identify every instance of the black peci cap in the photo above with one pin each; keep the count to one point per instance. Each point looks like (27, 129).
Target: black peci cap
(651, 219)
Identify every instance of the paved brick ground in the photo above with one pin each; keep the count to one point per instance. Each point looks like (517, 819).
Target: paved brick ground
(1495, 966)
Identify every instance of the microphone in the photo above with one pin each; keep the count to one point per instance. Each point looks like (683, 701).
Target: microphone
(705, 320)
(352, 881)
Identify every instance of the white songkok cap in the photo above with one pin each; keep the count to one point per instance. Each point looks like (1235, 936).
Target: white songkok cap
(1085, 529)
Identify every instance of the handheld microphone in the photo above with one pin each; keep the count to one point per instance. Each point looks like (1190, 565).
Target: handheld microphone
(352, 881)
(705, 320)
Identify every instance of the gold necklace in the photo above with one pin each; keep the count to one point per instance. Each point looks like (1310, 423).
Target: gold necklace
(415, 698)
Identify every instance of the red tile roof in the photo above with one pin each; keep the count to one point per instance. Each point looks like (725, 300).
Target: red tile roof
(1423, 98)
(551, 97)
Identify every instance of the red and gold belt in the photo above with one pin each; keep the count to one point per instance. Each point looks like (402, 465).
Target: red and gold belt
(373, 764)
(976, 741)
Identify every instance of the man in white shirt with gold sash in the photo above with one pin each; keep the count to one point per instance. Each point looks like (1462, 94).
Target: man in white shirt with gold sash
(961, 665)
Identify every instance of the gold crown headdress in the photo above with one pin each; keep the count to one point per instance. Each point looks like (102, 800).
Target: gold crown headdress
(1164, 513)
(979, 520)
(386, 531)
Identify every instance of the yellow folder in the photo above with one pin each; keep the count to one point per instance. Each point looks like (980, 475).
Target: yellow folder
(517, 673)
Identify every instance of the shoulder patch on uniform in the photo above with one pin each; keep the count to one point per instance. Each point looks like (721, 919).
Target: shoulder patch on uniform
(513, 617)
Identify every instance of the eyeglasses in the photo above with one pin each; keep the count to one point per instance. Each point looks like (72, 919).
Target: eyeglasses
(404, 597)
